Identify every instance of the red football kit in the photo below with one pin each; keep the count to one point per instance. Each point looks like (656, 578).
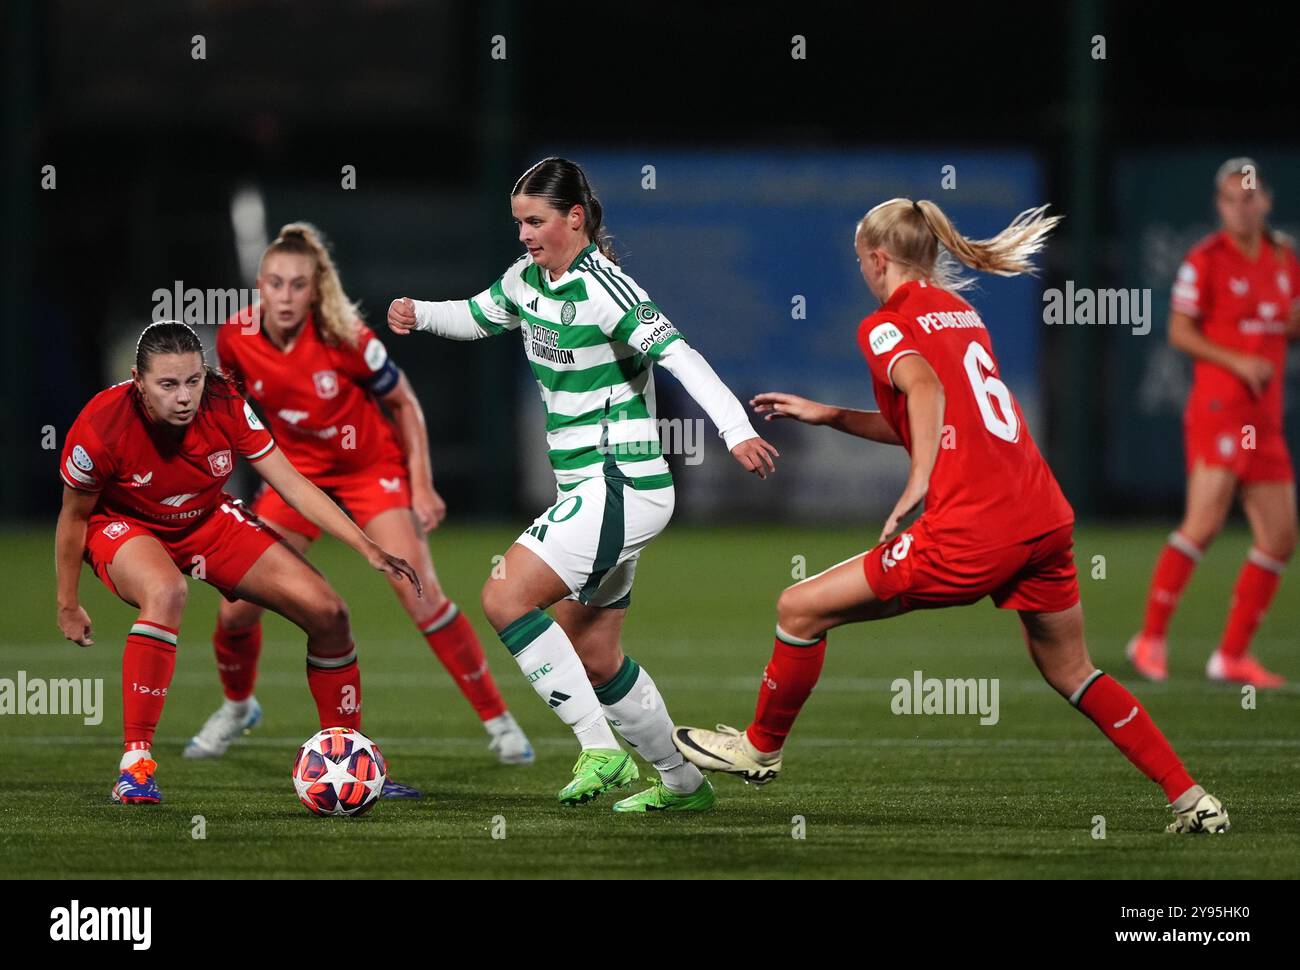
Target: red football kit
(995, 524)
(320, 400)
(153, 481)
(1243, 304)
(995, 520)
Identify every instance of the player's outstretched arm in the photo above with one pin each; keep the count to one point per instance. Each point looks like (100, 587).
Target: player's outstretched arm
(702, 383)
(925, 400)
(862, 424)
(451, 318)
(319, 509)
(404, 406)
(69, 541)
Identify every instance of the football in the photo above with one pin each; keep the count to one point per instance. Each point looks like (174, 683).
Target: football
(339, 771)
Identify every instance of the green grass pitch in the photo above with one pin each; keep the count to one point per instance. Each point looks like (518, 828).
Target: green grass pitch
(879, 795)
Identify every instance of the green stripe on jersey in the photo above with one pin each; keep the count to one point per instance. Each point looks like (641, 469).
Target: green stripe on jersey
(571, 458)
(500, 299)
(590, 378)
(616, 293)
(657, 350)
(613, 281)
(483, 321)
(582, 369)
(573, 336)
(535, 276)
(621, 283)
(629, 410)
(641, 484)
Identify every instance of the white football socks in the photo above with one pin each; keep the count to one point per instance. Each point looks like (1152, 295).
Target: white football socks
(636, 709)
(549, 662)
(499, 725)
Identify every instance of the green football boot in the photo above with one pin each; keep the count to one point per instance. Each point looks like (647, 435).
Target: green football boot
(598, 770)
(659, 798)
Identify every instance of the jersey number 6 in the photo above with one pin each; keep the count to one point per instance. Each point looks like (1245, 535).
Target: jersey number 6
(988, 389)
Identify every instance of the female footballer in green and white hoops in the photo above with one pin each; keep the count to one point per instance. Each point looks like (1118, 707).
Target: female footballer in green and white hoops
(591, 336)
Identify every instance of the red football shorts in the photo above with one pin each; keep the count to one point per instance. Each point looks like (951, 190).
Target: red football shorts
(364, 495)
(220, 549)
(1037, 575)
(1238, 439)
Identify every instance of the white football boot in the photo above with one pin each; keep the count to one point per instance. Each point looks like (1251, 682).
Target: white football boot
(1207, 816)
(727, 750)
(509, 743)
(227, 723)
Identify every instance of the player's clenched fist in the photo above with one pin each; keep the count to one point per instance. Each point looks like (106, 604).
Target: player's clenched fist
(401, 316)
(74, 624)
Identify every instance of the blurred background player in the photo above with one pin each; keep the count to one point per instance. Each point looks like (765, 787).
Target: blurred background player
(144, 468)
(995, 521)
(1236, 303)
(320, 376)
(592, 336)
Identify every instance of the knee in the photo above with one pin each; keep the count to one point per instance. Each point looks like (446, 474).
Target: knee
(166, 601)
(500, 606)
(1201, 530)
(331, 620)
(1065, 670)
(1280, 546)
(239, 615)
(795, 615)
(1283, 548)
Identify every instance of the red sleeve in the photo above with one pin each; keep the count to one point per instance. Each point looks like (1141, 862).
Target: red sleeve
(251, 439)
(365, 360)
(85, 464)
(1293, 272)
(884, 339)
(1191, 286)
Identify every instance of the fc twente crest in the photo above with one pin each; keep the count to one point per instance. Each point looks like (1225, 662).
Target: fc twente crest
(221, 463)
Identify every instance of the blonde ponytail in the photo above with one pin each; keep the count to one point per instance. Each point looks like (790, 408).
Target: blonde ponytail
(338, 319)
(920, 236)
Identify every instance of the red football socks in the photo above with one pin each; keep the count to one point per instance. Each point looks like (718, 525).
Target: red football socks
(1125, 721)
(335, 684)
(452, 638)
(147, 666)
(1174, 567)
(237, 654)
(788, 679)
(1256, 584)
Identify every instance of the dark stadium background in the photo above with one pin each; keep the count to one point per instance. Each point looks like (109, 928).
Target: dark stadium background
(764, 163)
(149, 145)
